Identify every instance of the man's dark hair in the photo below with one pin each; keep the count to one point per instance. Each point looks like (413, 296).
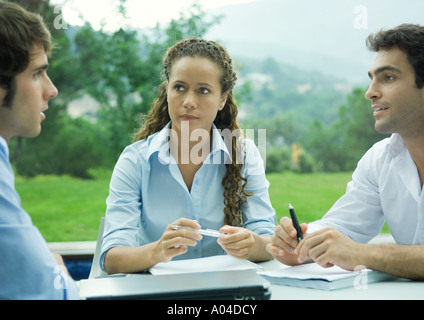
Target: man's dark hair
(407, 37)
(20, 30)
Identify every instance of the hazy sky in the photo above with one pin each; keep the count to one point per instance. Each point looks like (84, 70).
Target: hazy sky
(141, 13)
(325, 35)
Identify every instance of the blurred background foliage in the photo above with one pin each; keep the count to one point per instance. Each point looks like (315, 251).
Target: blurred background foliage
(320, 130)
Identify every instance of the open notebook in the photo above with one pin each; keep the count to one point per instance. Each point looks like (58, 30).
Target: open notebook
(314, 276)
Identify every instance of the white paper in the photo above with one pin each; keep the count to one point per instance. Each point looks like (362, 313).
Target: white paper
(310, 271)
(208, 264)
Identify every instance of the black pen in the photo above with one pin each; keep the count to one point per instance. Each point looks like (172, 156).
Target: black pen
(295, 223)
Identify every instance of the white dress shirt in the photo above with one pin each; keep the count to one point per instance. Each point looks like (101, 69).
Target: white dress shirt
(385, 187)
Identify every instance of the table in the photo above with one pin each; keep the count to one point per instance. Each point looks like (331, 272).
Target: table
(389, 290)
(396, 289)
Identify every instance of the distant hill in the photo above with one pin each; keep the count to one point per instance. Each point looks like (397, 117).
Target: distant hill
(313, 35)
(320, 54)
(282, 90)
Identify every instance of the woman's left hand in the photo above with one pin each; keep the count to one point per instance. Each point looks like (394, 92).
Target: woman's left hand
(239, 242)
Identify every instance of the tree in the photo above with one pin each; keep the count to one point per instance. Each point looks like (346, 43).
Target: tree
(340, 146)
(120, 70)
(358, 121)
(125, 77)
(35, 156)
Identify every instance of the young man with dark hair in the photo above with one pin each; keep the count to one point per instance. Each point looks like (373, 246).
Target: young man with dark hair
(28, 270)
(387, 185)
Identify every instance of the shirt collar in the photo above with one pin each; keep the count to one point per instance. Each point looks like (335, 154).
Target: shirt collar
(4, 146)
(396, 145)
(159, 142)
(218, 141)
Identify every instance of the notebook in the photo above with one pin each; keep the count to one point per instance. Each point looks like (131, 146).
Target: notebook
(314, 276)
(224, 285)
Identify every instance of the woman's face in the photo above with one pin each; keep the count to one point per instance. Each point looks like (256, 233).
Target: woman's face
(194, 94)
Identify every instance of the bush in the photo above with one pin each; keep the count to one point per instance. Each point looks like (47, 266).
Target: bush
(72, 148)
(278, 159)
(306, 163)
(77, 148)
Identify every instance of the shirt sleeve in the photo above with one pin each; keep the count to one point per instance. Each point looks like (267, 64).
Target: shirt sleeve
(358, 213)
(28, 270)
(258, 213)
(123, 204)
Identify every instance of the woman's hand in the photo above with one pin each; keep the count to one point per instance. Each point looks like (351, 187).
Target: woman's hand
(175, 242)
(239, 242)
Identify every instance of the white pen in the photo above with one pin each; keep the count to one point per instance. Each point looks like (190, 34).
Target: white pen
(205, 232)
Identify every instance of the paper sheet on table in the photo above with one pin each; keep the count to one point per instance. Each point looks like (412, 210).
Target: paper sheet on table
(208, 264)
(314, 276)
(310, 271)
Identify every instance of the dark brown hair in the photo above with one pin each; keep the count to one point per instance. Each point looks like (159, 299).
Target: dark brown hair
(407, 37)
(20, 30)
(234, 183)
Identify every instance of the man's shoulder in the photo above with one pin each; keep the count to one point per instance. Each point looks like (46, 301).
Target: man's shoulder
(390, 146)
(378, 158)
(6, 176)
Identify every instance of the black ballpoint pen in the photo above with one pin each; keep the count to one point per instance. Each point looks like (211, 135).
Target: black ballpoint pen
(295, 223)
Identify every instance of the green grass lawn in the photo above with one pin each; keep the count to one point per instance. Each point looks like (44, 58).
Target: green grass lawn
(65, 208)
(312, 195)
(69, 209)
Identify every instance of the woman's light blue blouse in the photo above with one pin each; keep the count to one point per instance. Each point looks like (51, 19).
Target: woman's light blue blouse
(147, 193)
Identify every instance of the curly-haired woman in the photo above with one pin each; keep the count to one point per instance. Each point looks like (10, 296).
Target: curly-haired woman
(190, 166)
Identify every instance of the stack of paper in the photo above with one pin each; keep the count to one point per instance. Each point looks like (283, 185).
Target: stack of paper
(314, 276)
(208, 264)
(309, 275)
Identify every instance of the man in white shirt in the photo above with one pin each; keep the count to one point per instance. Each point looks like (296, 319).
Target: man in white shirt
(387, 185)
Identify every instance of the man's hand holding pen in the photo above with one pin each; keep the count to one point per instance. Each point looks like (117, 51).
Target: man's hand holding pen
(326, 247)
(285, 241)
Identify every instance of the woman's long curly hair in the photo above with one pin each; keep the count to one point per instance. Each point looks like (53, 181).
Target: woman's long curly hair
(234, 183)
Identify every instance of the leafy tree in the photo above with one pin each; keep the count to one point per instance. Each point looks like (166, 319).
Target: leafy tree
(357, 119)
(278, 159)
(113, 79)
(280, 130)
(125, 77)
(77, 146)
(340, 146)
(35, 156)
(120, 70)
